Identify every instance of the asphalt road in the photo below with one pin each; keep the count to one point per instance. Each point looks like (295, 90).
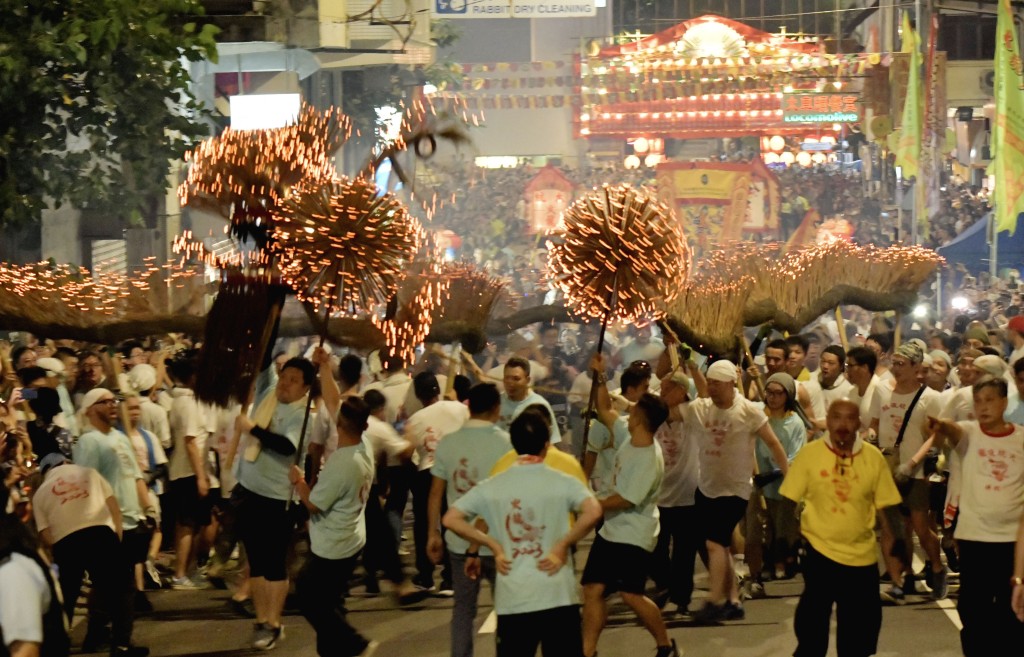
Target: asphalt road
(198, 623)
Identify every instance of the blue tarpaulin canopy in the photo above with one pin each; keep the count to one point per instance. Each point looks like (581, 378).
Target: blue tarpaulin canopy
(972, 249)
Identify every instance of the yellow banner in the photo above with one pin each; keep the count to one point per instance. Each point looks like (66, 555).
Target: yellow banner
(708, 184)
(1008, 132)
(908, 150)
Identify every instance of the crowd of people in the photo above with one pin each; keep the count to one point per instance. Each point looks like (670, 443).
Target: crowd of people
(838, 200)
(801, 461)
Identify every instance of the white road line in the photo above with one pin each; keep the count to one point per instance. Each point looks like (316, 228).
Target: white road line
(947, 606)
(490, 625)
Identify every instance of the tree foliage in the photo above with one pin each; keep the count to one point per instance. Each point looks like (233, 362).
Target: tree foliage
(95, 102)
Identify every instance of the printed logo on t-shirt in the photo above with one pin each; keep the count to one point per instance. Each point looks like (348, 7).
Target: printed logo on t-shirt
(717, 430)
(68, 490)
(995, 466)
(669, 446)
(842, 478)
(464, 478)
(896, 416)
(430, 441)
(525, 536)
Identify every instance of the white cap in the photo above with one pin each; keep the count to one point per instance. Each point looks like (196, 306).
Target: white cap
(722, 370)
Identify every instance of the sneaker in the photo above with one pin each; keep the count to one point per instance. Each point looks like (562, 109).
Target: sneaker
(183, 584)
(752, 589)
(940, 584)
(152, 574)
(244, 608)
(893, 595)
(370, 648)
(709, 614)
(445, 591)
(668, 651)
(129, 651)
(733, 611)
(926, 575)
(266, 637)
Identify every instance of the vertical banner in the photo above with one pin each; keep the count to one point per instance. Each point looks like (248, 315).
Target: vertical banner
(908, 148)
(1008, 132)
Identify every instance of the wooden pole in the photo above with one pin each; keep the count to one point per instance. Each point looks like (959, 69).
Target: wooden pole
(758, 382)
(268, 328)
(593, 383)
(842, 331)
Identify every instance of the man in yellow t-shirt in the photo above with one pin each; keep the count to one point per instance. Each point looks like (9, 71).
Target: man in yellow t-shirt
(554, 459)
(842, 482)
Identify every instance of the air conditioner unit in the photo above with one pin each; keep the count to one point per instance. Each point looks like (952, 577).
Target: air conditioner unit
(987, 82)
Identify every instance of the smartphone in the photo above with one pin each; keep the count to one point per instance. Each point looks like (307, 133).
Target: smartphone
(29, 393)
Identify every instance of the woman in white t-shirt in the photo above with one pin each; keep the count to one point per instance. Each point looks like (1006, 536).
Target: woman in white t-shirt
(991, 505)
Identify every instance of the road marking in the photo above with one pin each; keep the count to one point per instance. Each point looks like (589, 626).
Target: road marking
(490, 625)
(947, 606)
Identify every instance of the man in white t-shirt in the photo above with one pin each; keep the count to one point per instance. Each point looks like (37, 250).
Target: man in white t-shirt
(189, 480)
(527, 510)
(394, 386)
(78, 516)
(620, 556)
(381, 552)
(518, 396)
(424, 431)
(834, 384)
(672, 570)
(991, 508)
(867, 391)
(730, 424)
(908, 451)
(641, 347)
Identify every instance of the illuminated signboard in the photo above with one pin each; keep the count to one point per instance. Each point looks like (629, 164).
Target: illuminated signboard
(820, 108)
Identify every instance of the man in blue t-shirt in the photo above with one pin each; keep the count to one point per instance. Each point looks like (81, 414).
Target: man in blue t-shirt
(464, 458)
(621, 554)
(527, 509)
(337, 533)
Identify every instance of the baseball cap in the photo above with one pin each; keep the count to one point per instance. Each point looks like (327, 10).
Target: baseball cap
(991, 367)
(51, 460)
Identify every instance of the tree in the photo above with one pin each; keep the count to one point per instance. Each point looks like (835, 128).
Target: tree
(95, 102)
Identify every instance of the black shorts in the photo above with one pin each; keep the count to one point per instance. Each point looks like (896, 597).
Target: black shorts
(190, 510)
(619, 566)
(265, 527)
(718, 516)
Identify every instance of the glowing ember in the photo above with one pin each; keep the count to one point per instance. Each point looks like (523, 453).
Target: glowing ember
(621, 252)
(344, 244)
(245, 175)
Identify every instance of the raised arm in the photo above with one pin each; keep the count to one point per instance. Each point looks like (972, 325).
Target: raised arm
(943, 430)
(605, 413)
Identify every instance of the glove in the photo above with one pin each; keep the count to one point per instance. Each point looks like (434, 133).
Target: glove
(903, 472)
(765, 478)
